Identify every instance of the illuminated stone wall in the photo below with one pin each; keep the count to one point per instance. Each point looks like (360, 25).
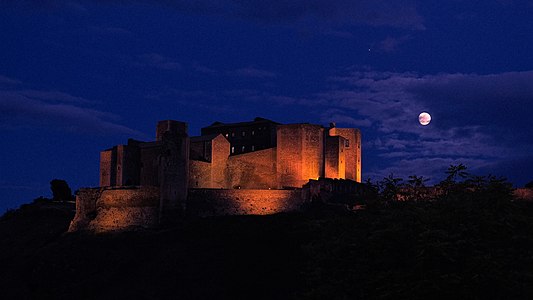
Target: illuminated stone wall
(116, 209)
(119, 209)
(253, 170)
(300, 154)
(352, 150)
(199, 174)
(215, 202)
(219, 162)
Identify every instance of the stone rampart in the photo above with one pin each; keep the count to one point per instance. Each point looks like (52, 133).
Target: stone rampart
(219, 202)
(116, 209)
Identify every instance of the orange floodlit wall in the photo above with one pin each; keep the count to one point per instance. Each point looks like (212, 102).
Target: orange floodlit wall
(299, 154)
(352, 150)
(253, 170)
(213, 202)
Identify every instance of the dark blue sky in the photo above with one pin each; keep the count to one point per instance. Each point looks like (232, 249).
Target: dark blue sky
(79, 76)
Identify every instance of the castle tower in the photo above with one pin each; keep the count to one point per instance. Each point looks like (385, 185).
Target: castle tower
(352, 148)
(173, 169)
(335, 157)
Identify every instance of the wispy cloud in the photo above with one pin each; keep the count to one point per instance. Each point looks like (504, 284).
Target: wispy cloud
(253, 73)
(475, 117)
(27, 107)
(391, 44)
(158, 61)
(8, 81)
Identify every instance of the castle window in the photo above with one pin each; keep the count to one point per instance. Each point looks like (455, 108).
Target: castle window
(232, 149)
(347, 143)
(244, 133)
(242, 149)
(227, 135)
(253, 132)
(232, 134)
(253, 147)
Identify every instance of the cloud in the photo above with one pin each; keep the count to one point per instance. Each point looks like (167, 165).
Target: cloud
(339, 116)
(54, 96)
(477, 119)
(252, 72)
(27, 107)
(203, 69)
(158, 61)
(391, 44)
(8, 81)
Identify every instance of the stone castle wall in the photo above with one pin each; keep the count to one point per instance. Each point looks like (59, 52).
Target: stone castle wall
(219, 162)
(199, 174)
(253, 170)
(352, 150)
(113, 209)
(213, 202)
(300, 154)
(119, 209)
(335, 158)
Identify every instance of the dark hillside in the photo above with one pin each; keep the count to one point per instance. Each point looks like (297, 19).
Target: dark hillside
(458, 248)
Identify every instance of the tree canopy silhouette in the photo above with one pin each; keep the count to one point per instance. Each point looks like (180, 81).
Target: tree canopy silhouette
(60, 190)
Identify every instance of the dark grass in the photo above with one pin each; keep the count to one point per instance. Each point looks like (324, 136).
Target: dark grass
(454, 249)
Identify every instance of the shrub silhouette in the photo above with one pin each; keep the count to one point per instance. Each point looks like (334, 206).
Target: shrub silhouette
(60, 190)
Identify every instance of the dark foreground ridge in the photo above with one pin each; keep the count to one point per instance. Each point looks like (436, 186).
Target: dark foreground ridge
(458, 248)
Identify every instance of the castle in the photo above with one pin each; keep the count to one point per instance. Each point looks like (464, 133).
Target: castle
(254, 167)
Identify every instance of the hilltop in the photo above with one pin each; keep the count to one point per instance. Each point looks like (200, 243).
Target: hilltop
(458, 248)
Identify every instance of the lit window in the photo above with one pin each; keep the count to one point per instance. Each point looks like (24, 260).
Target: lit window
(347, 143)
(253, 132)
(232, 149)
(253, 147)
(233, 134)
(242, 149)
(244, 133)
(227, 135)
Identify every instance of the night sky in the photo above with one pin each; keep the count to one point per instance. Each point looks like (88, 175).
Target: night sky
(77, 77)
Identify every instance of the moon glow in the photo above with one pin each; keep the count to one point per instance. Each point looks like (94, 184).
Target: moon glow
(424, 118)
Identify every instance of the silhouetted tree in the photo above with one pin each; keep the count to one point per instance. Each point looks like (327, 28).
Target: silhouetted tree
(499, 187)
(416, 185)
(60, 190)
(450, 185)
(390, 187)
(476, 182)
(455, 171)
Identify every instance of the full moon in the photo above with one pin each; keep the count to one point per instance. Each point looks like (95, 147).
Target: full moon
(424, 118)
